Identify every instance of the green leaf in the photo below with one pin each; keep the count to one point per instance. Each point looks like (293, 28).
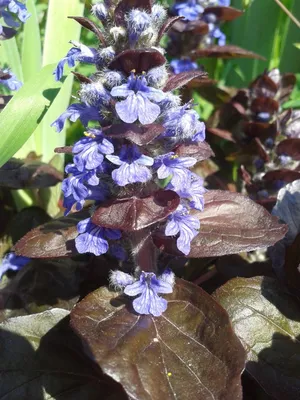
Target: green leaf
(10, 57)
(190, 352)
(267, 321)
(25, 111)
(40, 360)
(31, 48)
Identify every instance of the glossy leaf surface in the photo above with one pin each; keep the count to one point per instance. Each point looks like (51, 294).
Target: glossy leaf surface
(190, 352)
(137, 213)
(267, 320)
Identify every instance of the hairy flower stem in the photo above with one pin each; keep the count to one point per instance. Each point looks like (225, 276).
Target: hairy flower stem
(144, 251)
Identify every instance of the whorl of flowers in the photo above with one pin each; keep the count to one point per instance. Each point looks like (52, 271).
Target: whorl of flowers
(12, 12)
(184, 38)
(131, 146)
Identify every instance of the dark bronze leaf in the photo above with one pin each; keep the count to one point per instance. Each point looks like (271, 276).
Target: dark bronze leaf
(124, 6)
(264, 104)
(91, 26)
(289, 147)
(222, 133)
(193, 27)
(136, 213)
(263, 85)
(166, 26)
(140, 135)
(138, 60)
(267, 321)
(82, 78)
(190, 352)
(287, 84)
(201, 151)
(260, 129)
(286, 175)
(17, 174)
(230, 223)
(223, 13)
(64, 149)
(176, 81)
(227, 51)
(53, 239)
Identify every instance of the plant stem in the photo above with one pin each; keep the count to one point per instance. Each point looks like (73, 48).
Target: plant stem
(288, 13)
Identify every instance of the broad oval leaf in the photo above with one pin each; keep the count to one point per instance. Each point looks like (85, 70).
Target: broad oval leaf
(140, 135)
(40, 360)
(176, 81)
(267, 320)
(201, 151)
(284, 174)
(138, 60)
(230, 223)
(190, 352)
(25, 111)
(136, 213)
(227, 51)
(53, 239)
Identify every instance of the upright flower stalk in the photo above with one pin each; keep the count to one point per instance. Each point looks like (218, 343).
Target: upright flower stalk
(132, 157)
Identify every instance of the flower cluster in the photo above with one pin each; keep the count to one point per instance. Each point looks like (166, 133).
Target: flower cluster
(12, 12)
(108, 164)
(185, 38)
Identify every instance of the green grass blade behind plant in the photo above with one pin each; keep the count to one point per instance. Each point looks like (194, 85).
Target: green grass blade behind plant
(31, 46)
(24, 112)
(253, 31)
(59, 31)
(10, 57)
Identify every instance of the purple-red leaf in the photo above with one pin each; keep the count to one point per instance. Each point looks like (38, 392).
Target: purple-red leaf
(64, 150)
(140, 135)
(230, 223)
(82, 78)
(91, 26)
(124, 6)
(176, 81)
(190, 352)
(201, 151)
(289, 147)
(223, 13)
(260, 129)
(53, 239)
(166, 26)
(222, 133)
(227, 51)
(266, 319)
(193, 27)
(136, 213)
(286, 175)
(264, 104)
(138, 60)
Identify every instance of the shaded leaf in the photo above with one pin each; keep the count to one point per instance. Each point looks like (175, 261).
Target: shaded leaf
(291, 266)
(230, 223)
(176, 81)
(53, 239)
(285, 175)
(40, 360)
(260, 129)
(140, 135)
(140, 60)
(227, 51)
(136, 213)
(267, 320)
(166, 26)
(189, 352)
(17, 174)
(124, 6)
(222, 133)
(201, 151)
(81, 78)
(91, 26)
(223, 13)
(194, 27)
(289, 147)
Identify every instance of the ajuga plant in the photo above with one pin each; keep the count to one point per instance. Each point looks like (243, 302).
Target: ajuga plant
(196, 33)
(130, 194)
(12, 12)
(267, 138)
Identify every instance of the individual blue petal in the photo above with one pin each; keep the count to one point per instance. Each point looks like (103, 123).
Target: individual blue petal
(12, 83)
(127, 109)
(121, 91)
(19, 8)
(186, 225)
(12, 262)
(192, 190)
(189, 9)
(183, 65)
(147, 111)
(168, 277)
(174, 166)
(74, 112)
(150, 303)
(135, 288)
